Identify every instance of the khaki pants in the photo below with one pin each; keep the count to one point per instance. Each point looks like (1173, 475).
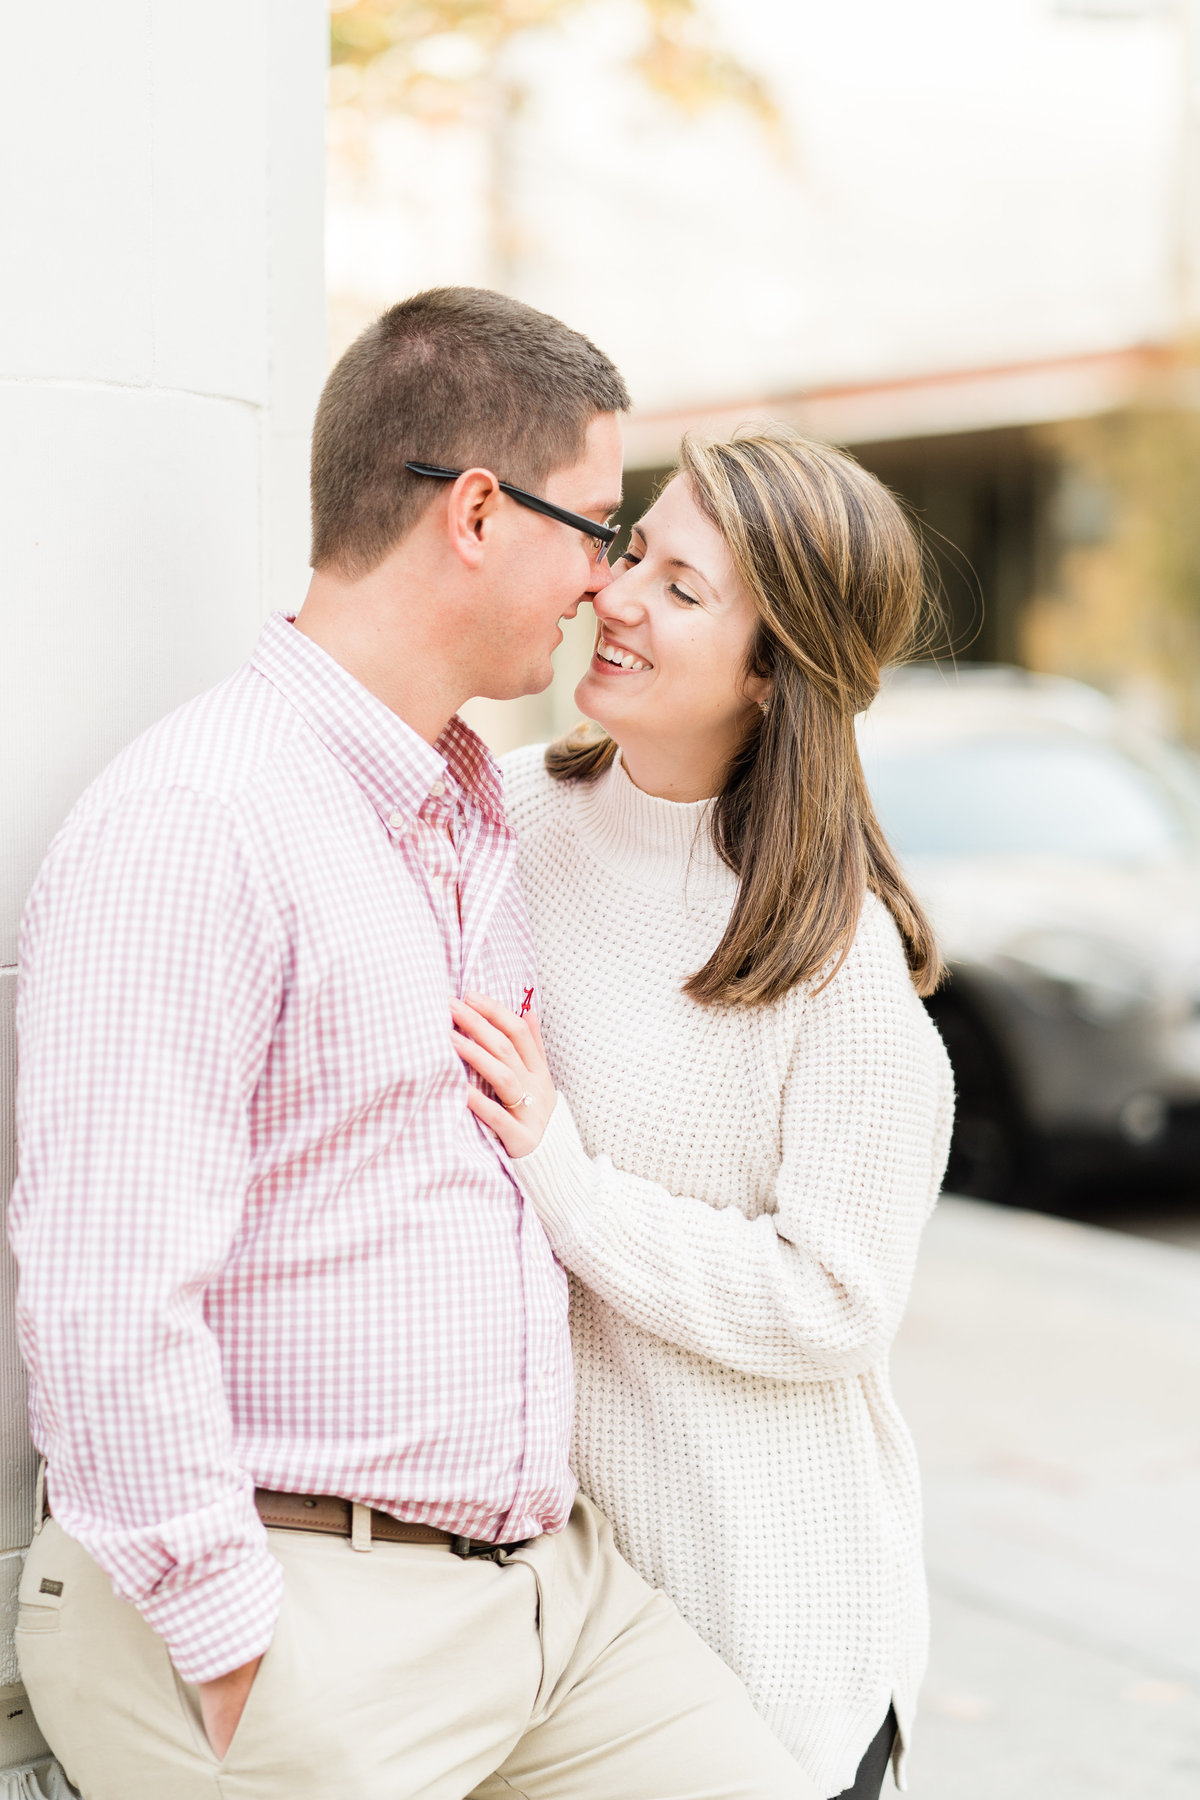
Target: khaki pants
(407, 1674)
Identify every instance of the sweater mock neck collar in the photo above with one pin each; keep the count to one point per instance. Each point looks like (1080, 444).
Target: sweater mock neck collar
(653, 843)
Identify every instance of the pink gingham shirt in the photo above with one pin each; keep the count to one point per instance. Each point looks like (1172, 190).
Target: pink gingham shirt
(262, 1240)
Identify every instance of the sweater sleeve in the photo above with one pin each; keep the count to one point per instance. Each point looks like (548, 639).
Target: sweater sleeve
(814, 1289)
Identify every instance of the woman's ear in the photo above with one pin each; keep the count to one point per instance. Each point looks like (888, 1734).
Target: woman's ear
(759, 689)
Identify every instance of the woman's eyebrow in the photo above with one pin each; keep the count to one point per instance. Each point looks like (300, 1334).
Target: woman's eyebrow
(674, 562)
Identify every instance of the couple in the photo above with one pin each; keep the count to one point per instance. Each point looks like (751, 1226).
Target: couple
(305, 1195)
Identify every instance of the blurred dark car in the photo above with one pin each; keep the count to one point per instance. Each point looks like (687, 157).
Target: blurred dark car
(1057, 848)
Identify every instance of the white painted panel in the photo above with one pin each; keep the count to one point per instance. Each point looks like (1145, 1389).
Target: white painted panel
(129, 527)
(17, 1462)
(285, 486)
(298, 33)
(297, 56)
(75, 192)
(210, 199)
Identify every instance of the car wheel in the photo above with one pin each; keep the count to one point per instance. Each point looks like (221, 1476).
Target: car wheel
(990, 1150)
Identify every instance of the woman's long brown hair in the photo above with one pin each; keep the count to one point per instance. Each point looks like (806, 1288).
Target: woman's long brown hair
(838, 580)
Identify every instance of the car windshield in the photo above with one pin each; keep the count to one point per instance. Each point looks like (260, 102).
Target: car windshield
(1036, 794)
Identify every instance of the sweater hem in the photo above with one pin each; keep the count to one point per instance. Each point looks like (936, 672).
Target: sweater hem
(829, 1742)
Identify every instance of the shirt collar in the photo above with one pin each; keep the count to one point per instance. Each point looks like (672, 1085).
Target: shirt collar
(474, 768)
(391, 763)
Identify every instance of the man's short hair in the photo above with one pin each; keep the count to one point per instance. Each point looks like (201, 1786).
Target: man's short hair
(462, 377)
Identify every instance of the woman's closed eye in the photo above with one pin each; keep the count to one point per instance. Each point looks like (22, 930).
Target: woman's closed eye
(631, 559)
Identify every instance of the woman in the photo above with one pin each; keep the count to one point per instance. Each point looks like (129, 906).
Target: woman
(740, 1119)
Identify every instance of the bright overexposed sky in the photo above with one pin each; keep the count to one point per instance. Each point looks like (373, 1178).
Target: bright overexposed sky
(963, 183)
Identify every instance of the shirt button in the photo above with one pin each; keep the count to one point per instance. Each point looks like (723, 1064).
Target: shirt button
(438, 789)
(395, 820)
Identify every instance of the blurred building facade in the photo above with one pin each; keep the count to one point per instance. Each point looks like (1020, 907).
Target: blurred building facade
(960, 240)
(163, 343)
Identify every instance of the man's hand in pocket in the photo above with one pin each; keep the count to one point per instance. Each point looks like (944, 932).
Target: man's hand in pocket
(222, 1702)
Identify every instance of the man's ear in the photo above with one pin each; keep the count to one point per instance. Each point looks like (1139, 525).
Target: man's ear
(472, 504)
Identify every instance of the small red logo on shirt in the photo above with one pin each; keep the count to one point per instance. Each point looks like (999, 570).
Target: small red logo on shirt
(527, 1002)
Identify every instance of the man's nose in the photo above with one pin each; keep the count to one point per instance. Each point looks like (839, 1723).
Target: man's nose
(602, 574)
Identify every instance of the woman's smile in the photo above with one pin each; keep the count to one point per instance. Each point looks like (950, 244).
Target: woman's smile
(611, 657)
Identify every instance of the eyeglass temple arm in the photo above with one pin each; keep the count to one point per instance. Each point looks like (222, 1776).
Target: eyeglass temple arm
(607, 534)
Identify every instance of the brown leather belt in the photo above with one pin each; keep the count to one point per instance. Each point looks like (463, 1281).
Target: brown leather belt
(328, 1513)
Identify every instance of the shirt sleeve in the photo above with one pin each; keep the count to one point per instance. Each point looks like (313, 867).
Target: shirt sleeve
(149, 987)
(814, 1289)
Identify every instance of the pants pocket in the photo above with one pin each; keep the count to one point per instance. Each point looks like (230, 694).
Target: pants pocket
(99, 1681)
(188, 1698)
(260, 1696)
(36, 1619)
(43, 1587)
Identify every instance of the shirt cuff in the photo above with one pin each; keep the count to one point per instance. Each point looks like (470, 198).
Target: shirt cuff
(221, 1621)
(556, 1179)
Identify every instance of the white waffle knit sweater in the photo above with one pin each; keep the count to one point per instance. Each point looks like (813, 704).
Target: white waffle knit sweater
(738, 1196)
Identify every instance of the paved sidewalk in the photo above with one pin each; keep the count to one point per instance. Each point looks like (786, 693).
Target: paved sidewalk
(1051, 1375)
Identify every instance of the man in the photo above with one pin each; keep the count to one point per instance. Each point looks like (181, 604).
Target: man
(299, 1356)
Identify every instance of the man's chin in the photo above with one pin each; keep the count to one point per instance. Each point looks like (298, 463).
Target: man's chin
(519, 686)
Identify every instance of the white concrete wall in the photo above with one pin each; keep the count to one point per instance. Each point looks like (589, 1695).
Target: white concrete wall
(162, 346)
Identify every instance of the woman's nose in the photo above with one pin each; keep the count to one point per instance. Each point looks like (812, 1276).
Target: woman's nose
(615, 598)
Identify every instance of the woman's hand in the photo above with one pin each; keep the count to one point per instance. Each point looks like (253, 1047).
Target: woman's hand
(508, 1053)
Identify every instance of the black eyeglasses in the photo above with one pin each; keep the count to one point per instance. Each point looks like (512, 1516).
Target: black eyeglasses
(603, 536)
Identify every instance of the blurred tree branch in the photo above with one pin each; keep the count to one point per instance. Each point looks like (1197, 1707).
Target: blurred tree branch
(682, 62)
(446, 62)
(420, 45)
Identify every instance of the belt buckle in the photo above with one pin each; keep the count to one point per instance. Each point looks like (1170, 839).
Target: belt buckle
(475, 1550)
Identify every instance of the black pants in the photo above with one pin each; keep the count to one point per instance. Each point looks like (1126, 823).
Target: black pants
(873, 1767)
